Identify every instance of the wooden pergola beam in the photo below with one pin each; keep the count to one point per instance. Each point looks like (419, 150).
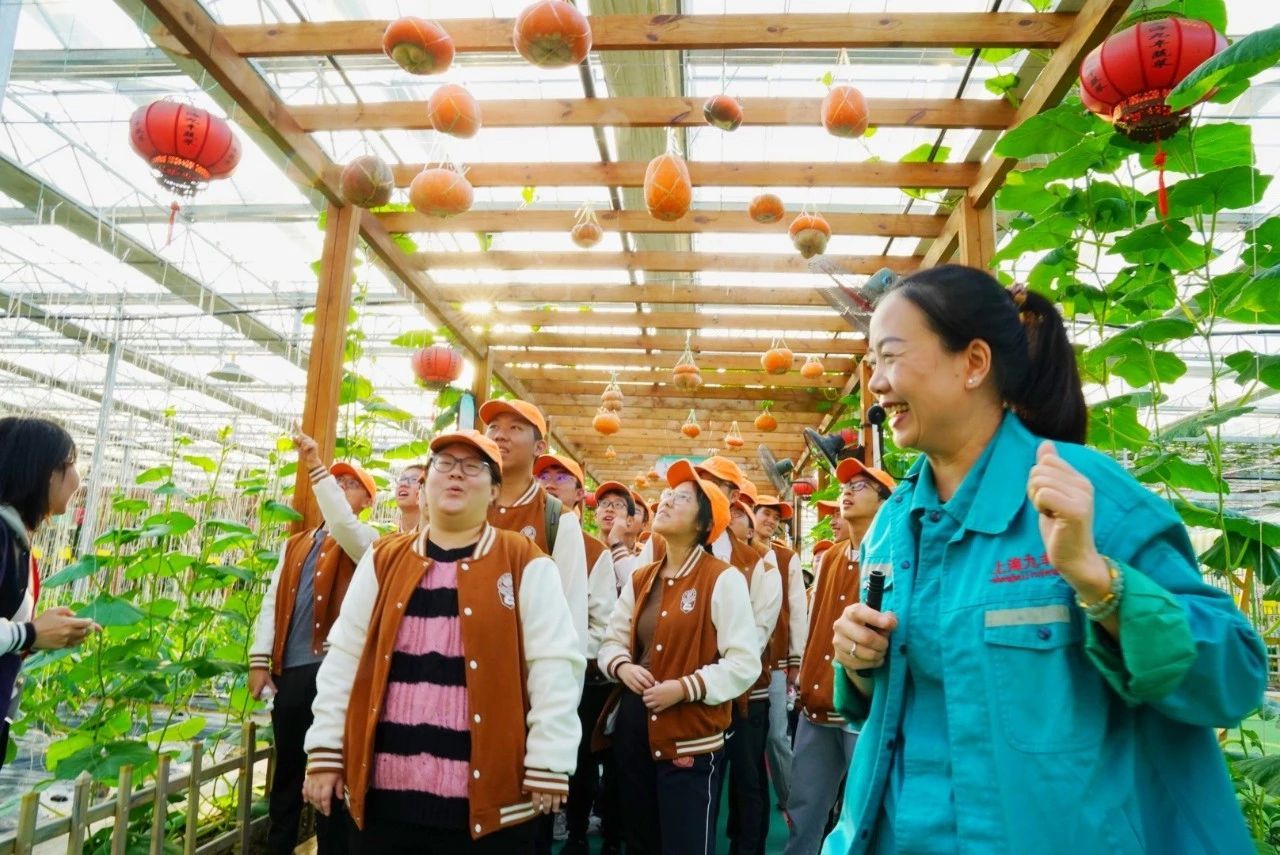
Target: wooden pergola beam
(683, 32)
(671, 262)
(668, 343)
(588, 395)
(709, 363)
(628, 379)
(597, 295)
(675, 407)
(713, 174)
(764, 325)
(639, 222)
(654, 112)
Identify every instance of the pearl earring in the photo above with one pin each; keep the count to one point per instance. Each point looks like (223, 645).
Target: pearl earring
(972, 380)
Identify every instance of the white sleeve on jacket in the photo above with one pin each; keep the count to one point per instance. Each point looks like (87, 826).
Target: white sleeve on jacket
(626, 562)
(602, 593)
(615, 648)
(554, 667)
(736, 636)
(264, 632)
(340, 521)
(337, 672)
(570, 557)
(798, 603)
(766, 600)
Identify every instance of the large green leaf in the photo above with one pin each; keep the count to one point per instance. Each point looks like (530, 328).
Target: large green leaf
(1221, 190)
(354, 388)
(1212, 12)
(415, 339)
(112, 611)
(1165, 242)
(1260, 294)
(103, 762)
(155, 473)
(205, 464)
(1027, 192)
(1049, 132)
(1051, 232)
(1250, 366)
(922, 152)
(1116, 428)
(1251, 55)
(1202, 421)
(1195, 514)
(161, 566)
(387, 411)
(85, 567)
(413, 450)
(1172, 469)
(275, 512)
(1204, 148)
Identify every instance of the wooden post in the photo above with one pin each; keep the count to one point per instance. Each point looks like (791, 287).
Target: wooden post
(248, 740)
(124, 791)
(28, 813)
(868, 438)
(324, 370)
(160, 813)
(977, 234)
(193, 798)
(79, 807)
(483, 379)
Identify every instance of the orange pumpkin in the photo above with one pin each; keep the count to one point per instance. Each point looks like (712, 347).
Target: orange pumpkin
(723, 112)
(609, 453)
(367, 182)
(766, 208)
(586, 234)
(766, 423)
(691, 429)
(441, 192)
(652, 475)
(611, 399)
(777, 359)
(418, 46)
(686, 377)
(844, 112)
(809, 234)
(641, 482)
(812, 368)
(451, 110)
(606, 423)
(552, 34)
(668, 192)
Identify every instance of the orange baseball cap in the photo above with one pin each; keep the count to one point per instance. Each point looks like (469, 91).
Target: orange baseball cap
(682, 471)
(605, 488)
(827, 508)
(365, 479)
(641, 503)
(724, 469)
(822, 546)
(749, 491)
(487, 448)
(746, 509)
(531, 414)
(567, 464)
(783, 508)
(852, 467)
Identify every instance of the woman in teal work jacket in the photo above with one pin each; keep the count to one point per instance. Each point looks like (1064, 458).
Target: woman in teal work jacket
(1047, 667)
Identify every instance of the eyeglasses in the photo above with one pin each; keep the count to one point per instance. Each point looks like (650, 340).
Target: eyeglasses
(676, 498)
(857, 486)
(616, 505)
(346, 482)
(409, 479)
(471, 466)
(558, 478)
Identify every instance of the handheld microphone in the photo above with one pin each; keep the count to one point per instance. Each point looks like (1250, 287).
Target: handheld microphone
(873, 599)
(876, 415)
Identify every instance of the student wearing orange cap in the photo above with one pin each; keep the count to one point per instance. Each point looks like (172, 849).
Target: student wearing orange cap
(445, 707)
(827, 508)
(787, 642)
(302, 602)
(408, 486)
(520, 432)
(619, 521)
(824, 739)
(562, 478)
(749, 807)
(683, 644)
(741, 524)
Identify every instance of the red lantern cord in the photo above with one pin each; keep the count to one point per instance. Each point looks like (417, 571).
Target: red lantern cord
(173, 215)
(1162, 195)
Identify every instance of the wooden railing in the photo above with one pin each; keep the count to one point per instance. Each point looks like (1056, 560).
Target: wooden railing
(77, 826)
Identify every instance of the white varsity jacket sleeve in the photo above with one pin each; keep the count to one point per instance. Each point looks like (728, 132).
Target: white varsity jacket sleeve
(554, 667)
(264, 632)
(766, 600)
(615, 648)
(602, 593)
(337, 672)
(341, 522)
(570, 557)
(739, 663)
(799, 605)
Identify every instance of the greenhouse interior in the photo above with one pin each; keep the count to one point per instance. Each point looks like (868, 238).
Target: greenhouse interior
(705, 286)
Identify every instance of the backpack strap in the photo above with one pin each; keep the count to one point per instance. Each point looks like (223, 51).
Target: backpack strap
(551, 520)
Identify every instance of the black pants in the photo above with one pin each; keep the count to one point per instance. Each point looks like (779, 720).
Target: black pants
(587, 786)
(393, 838)
(672, 806)
(290, 719)
(749, 806)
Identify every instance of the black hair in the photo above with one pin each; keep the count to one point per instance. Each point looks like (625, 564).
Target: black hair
(31, 450)
(626, 497)
(705, 518)
(1033, 362)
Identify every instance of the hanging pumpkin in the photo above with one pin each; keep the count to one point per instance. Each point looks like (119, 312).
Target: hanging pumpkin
(668, 192)
(733, 439)
(552, 34)
(844, 112)
(778, 358)
(451, 110)
(766, 208)
(641, 482)
(367, 182)
(587, 231)
(437, 365)
(606, 422)
(1126, 79)
(766, 422)
(812, 368)
(809, 234)
(691, 428)
(652, 475)
(609, 453)
(418, 46)
(441, 192)
(723, 112)
(611, 397)
(686, 376)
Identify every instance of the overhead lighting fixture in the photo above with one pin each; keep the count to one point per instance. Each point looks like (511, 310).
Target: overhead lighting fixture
(230, 372)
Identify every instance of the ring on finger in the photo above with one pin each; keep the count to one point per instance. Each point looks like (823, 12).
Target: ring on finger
(853, 650)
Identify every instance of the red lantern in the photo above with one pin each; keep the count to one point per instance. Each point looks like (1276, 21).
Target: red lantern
(437, 366)
(590, 499)
(186, 146)
(804, 487)
(1126, 78)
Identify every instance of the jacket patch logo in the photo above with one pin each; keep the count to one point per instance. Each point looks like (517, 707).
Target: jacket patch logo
(1020, 568)
(688, 600)
(529, 532)
(507, 590)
